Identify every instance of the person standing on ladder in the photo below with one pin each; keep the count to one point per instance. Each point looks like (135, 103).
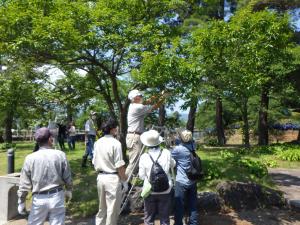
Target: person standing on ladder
(137, 111)
(90, 137)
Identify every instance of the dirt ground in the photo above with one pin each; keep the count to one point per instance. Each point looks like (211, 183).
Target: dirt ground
(253, 217)
(259, 217)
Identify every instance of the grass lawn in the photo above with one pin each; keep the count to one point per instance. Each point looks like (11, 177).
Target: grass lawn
(219, 165)
(85, 200)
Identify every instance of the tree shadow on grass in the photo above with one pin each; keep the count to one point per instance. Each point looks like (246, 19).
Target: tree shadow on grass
(85, 197)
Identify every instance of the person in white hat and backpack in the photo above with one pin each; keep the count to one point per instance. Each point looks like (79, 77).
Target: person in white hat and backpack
(158, 201)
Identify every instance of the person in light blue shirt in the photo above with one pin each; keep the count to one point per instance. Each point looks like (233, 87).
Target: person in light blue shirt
(185, 189)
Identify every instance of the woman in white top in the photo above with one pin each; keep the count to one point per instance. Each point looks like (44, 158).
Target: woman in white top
(71, 135)
(156, 202)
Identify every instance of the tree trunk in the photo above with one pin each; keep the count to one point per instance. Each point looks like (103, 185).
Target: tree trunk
(219, 122)
(221, 9)
(298, 138)
(8, 126)
(246, 133)
(123, 126)
(162, 116)
(263, 131)
(123, 130)
(191, 117)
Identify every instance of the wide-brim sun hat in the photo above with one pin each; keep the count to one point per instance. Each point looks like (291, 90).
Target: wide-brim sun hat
(134, 93)
(151, 138)
(185, 135)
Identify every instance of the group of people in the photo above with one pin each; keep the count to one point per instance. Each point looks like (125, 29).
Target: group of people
(47, 171)
(60, 131)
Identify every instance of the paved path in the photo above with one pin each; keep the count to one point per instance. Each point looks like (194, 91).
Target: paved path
(288, 181)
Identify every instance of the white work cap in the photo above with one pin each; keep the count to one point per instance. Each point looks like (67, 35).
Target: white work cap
(132, 94)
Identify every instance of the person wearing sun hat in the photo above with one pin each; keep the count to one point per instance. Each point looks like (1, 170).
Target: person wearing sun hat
(137, 111)
(156, 202)
(45, 173)
(185, 189)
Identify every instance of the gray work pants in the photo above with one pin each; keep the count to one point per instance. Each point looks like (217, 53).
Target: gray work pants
(47, 205)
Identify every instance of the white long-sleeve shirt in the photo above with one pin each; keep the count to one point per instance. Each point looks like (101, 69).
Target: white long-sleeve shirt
(165, 160)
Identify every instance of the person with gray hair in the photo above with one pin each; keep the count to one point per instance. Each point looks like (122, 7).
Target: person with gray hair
(45, 173)
(185, 188)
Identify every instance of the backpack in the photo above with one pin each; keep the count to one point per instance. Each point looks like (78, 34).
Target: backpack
(158, 177)
(195, 172)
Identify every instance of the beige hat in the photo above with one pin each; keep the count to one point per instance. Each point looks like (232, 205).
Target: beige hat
(132, 94)
(151, 138)
(185, 135)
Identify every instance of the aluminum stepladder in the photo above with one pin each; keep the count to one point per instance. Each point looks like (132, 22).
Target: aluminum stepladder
(167, 140)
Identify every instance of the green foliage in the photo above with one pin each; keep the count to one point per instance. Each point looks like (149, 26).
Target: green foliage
(211, 141)
(255, 168)
(290, 154)
(270, 163)
(211, 172)
(6, 146)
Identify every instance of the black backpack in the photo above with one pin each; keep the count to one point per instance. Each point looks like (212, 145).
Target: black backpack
(158, 178)
(195, 172)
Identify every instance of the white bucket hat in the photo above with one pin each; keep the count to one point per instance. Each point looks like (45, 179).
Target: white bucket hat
(185, 135)
(151, 138)
(132, 94)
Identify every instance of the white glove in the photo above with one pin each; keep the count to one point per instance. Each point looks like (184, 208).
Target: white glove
(21, 208)
(68, 195)
(124, 186)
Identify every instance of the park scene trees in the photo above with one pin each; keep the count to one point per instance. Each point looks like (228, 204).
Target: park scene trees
(231, 69)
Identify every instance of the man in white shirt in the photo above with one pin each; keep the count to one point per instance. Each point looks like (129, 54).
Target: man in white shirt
(45, 173)
(90, 137)
(137, 111)
(108, 162)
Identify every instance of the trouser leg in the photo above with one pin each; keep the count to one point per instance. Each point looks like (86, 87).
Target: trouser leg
(179, 203)
(149, 210)
(134, 146)
(164, 208)
(113, 199)
(39, 210)
(192, 204)
(57, 208)
(101, 215)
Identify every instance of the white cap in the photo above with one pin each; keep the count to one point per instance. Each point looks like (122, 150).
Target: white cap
(185, 135)
(132, 94)
(151, 138)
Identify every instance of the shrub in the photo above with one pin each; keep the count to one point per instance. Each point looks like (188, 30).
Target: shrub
(226, 154)
(289, 155)
(6, 146)
(211, 171)
(254, 167)
(270, 163)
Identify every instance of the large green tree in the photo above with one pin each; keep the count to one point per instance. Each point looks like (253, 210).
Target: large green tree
(104, 38)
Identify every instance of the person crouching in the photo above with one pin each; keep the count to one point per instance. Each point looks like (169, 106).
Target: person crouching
(159, 199)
